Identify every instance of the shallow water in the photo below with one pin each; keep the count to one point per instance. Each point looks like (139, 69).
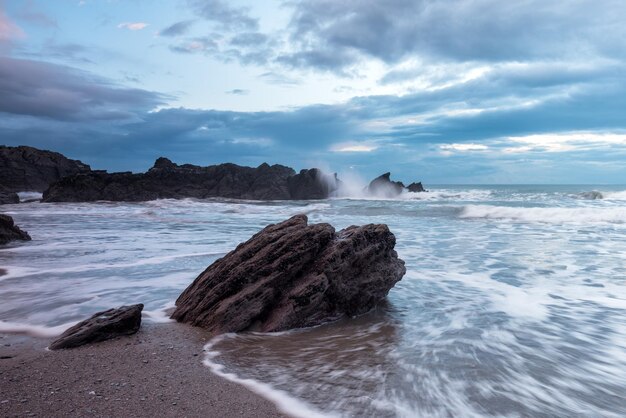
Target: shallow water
(514, 302)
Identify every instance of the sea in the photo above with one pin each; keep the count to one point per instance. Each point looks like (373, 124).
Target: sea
(513, 304)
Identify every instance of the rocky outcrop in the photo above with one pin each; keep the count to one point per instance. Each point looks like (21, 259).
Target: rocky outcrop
(166, 180)
(30, 169)
(416, 188)
(7, 196)
(102, 326)
(293, 275)
(383, 186)
(312, 184)
(11, 232)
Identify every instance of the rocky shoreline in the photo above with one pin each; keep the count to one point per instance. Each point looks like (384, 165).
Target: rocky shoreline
(65, 180)
(155, 372)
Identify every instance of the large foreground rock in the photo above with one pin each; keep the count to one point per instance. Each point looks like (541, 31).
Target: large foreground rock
(293, 275)
(166, 180)
(30, 169)
(11, 232)
(102, 326)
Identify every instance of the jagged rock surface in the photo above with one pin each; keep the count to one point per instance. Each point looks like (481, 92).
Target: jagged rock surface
(312, 184)
(292, 275)
(102, 326)
(30, 169)
(166, 180)
(11, 232)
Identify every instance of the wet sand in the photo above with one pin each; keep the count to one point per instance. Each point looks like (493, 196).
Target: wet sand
(156, 372)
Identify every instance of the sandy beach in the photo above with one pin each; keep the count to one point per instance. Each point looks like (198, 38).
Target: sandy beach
(156, 372)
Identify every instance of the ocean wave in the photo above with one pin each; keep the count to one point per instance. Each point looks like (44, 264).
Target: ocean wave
(615, 195)
(591, 195)
(549, 214)
(283, 401)
(41, 331)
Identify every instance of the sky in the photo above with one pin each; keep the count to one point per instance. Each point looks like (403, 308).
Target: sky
(439, 91)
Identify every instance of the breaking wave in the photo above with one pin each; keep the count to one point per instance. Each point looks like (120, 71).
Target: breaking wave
(549, 215)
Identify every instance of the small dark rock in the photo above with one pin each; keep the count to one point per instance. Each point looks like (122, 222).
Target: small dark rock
(416, 187)
(11, 232)
(102, 326)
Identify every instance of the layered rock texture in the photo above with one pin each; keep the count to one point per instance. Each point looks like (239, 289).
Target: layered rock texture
(166, 180)
(102, 326)
(383, 186)
(11, 232)
(30, 169)
(292, 275)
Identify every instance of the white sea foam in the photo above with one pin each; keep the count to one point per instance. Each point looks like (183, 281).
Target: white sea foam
(285, 403)
(29, 196)
(549, 214)
(621, 195)
(33, 330)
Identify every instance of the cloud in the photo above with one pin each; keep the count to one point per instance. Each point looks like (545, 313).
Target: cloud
(134, 26)
(8, 30)
(452, 30)
(206, 45)
(221, 13)
(177, 29)
(564, 142)
(47, 90)
(464, 147)
(238, 92)
(353, 147)
(29, 13)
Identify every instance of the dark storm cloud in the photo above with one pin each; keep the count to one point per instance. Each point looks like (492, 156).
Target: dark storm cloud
(47, 90)
(177, 29)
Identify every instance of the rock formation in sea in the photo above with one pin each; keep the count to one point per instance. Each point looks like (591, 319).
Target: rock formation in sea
(312, 184)
(292, 275)
(383, 186)
(11, 232)
(102, 326)
(415, 187)
(30, 169)
(167, 180)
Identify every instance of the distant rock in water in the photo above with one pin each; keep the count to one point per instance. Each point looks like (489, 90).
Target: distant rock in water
(11, 232)
(383, 186)
(416, 188)
(592, 195)
(166, 180)
(312, 184)
(30, 169)
(292, 275)
(102, 326)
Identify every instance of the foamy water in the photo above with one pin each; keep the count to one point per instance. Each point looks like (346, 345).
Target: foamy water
(514, 303)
